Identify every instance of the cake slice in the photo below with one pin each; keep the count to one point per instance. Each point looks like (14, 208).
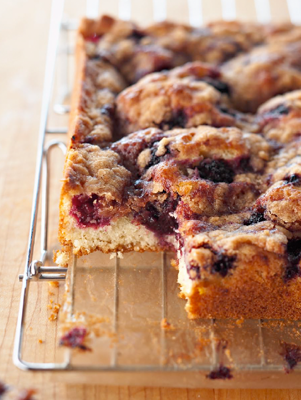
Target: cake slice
(123, 198)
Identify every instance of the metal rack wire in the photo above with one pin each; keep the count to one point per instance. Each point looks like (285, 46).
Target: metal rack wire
(36, 270)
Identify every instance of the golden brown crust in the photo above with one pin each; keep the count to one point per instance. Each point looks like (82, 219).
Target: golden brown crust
(254, 293)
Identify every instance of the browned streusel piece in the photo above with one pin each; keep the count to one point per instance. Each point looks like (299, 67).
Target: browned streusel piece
(159, 100)
(281, 203)
(263, 73)
(279, 119)
(179, 98)
(89, 170)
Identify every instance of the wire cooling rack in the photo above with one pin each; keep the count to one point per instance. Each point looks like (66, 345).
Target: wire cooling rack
(130, 294)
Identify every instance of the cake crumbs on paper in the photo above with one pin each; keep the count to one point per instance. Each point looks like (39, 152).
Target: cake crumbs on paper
(166, 325)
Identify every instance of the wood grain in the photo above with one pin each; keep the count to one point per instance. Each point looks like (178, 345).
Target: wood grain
(23, 38)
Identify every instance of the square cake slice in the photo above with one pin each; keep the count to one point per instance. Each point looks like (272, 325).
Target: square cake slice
(124, 197)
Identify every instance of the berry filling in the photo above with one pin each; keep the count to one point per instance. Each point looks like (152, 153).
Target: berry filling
(136, 35)
(274, 114)
(295, 179)
(156, 217)
(216, 171)
(75, 338)
(255, 218)
(291, 354)
(194, 272)
(222, 372)
(222, 87)
(293, 257)
(156, 159)
(93, 38)
(279, 110)
(86, 209)
(223, 264)
(178, 120)
(3, 388)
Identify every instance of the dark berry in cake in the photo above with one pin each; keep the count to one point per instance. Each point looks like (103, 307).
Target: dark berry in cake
(295, 179)
(157, 217)
(178, 120)
(279, 110)
(222, 372)
(3, 388)
(219, 85)
(136, 34)
(255, 218)
(85, 209)
(223, 264)
(291, 354)
(216, 171)
(293, 257)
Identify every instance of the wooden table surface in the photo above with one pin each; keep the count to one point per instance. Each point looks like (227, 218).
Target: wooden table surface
(23, 37)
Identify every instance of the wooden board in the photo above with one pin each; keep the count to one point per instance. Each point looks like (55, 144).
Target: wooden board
(23, 37)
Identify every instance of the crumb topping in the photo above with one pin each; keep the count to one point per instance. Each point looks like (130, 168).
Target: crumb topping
(173, 100)
(262, 73)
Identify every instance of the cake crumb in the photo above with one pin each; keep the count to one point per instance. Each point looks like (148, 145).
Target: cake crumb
(222, 372)
(228, 355)
(54, 284)
(40, 341)
(239, 322)
(166, 325)
(54, 314)
(291, 354)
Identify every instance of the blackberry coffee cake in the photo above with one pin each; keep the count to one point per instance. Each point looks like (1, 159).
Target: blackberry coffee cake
(178, 143)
